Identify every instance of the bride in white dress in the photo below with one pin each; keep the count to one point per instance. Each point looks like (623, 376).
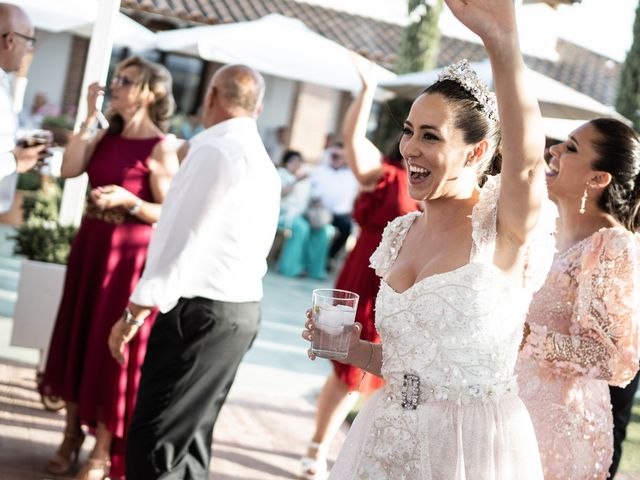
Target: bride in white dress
(457, 280)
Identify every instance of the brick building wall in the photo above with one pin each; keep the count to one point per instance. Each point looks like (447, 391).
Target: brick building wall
(75, 71)
(310, 122)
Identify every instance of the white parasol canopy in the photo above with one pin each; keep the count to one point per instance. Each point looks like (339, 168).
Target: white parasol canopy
(275, 45)
(556, 99)
(59, 15)
(126, 33)
(79, 17)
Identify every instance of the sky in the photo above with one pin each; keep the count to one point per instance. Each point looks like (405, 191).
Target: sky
(604, 26)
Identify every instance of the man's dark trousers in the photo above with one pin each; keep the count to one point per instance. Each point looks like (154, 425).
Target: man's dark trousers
(192, 357)
(621, 404)
(342, 222)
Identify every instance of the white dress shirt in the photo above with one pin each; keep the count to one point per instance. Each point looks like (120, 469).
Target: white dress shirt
(8, 126)
(218, 221)
(336, 188)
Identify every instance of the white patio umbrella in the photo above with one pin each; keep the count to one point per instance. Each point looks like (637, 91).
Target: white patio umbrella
(59, 15)
(126, 33)
(275, 45)
(559, 128)
(410, 85)
(79, 17)
(556, 99)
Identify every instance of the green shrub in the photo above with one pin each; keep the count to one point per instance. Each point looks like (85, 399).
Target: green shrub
(29, 181)
(64, 121)
(44, 241)
(41, 237)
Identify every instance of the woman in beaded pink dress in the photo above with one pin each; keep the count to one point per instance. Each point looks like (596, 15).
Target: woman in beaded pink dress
(456, 280)
(130, 167)
(583, 323)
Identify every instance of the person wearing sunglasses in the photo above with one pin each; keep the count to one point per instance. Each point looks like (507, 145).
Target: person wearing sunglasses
(130, 166)
(16, 41)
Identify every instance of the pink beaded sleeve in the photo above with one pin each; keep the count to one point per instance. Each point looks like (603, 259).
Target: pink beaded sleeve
(604, 339)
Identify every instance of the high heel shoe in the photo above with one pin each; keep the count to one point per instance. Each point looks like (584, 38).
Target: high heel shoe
(314, 468)
(95, 469)
(60, 463)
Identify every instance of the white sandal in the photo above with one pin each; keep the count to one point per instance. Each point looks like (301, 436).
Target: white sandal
(314, 468)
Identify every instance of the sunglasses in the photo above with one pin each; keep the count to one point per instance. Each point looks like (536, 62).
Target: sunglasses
(31, 41)
(122, 81)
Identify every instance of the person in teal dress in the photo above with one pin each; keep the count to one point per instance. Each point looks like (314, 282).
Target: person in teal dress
(306, 247)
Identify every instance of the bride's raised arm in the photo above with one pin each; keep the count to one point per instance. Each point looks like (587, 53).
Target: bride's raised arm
(522, 185)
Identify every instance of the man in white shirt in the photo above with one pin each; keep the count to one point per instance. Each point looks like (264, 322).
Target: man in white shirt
(16, 40)
(336, 187)
(204, 272)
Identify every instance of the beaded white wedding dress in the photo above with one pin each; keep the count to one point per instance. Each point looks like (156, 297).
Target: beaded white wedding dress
(450, 409)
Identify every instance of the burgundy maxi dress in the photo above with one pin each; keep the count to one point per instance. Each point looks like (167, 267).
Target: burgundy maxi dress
(372, 210)
(107, 258)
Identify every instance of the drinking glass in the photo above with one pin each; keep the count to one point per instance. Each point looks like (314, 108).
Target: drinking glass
(31, 138)
(334, 312)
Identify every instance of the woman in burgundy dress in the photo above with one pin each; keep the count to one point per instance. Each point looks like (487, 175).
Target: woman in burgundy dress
(130, 167)
(383, 197)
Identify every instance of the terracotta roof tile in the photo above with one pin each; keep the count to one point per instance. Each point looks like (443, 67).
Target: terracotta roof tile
(376, 39)
(453, 49)
(579, 68)
(584, 70)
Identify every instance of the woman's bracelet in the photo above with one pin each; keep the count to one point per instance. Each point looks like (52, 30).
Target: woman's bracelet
(136, 207)
(364, 370)
(87, 124)
(86, 130)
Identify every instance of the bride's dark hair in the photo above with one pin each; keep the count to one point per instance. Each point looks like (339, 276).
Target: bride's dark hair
(471, 118)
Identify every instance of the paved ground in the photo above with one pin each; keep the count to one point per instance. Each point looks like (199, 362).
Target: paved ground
(262, 430)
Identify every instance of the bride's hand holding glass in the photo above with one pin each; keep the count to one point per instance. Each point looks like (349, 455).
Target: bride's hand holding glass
(356, 346)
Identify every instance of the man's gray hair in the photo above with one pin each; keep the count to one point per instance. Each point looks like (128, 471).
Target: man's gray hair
(240, 86)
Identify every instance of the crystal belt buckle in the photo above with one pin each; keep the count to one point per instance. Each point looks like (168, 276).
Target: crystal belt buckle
(410, 391)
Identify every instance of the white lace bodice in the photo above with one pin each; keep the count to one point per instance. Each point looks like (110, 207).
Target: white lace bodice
(449, 410)
(457, 331)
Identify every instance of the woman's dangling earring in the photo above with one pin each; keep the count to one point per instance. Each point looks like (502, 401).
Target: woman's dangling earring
(583, 202)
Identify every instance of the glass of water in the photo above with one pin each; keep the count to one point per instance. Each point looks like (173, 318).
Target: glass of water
(334, 312)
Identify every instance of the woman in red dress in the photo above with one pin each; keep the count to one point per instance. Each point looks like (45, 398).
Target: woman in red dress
(130, 167)
(383, 197)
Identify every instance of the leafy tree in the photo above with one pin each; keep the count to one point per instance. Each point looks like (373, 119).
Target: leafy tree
(421, 38)
(628, 101)
(418, 51)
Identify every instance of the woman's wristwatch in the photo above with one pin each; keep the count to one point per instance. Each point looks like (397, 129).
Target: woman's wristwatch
(129, 319)
(136, 207)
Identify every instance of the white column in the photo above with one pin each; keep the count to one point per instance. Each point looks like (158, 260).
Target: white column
(96, 70)
(20, 82)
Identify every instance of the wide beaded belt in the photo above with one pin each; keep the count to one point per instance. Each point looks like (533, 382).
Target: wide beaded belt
(414, 392)
(113, 215)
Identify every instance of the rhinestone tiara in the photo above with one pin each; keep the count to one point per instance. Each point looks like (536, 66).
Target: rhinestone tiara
(462, 73)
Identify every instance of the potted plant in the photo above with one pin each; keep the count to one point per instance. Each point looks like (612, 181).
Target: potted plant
(45, 245)
(60, 125)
